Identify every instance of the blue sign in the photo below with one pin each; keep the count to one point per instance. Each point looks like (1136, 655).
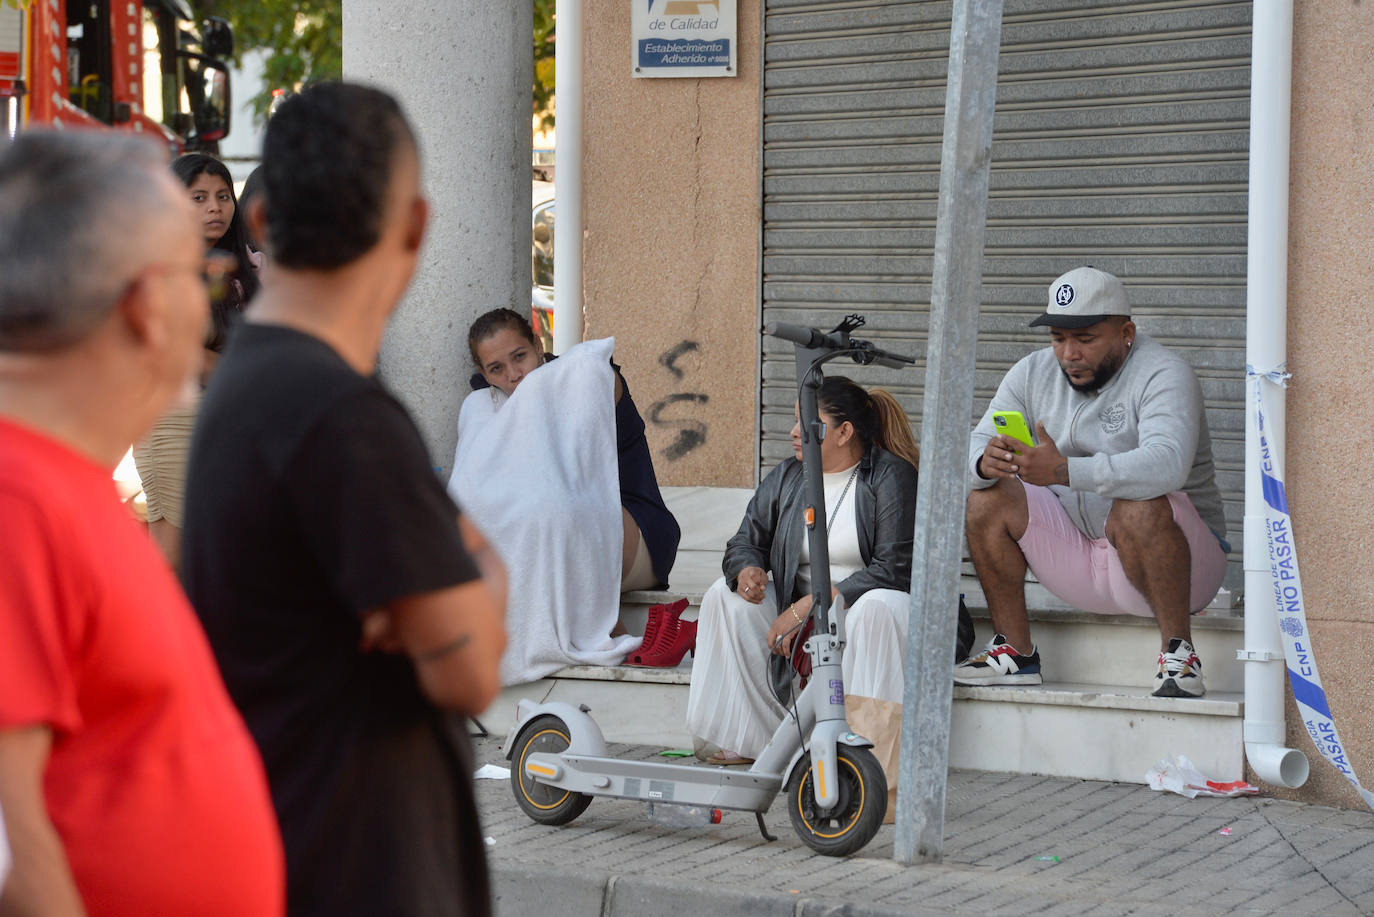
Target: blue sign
(679, 52)
(683, 38)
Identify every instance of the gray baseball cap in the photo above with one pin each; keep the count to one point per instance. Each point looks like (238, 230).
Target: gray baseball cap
(1083, 297)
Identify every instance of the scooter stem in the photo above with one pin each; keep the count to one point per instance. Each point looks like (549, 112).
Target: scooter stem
(830, 725)
(826, 642)
(809, 379)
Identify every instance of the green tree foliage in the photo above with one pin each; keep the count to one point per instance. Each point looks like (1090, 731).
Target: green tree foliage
(303, 38)
(543, 62)
(304, 41)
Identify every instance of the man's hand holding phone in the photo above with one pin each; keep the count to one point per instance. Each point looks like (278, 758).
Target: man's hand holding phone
(1006, 457)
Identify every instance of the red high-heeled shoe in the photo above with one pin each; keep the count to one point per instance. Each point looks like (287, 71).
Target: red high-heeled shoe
(675, 638)
(653, 628)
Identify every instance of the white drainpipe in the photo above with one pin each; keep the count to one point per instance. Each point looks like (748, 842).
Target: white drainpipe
(567, 177)
(1266, 341)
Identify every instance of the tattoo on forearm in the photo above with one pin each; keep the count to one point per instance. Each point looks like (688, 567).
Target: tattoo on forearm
(1061, 473)
(451, 647)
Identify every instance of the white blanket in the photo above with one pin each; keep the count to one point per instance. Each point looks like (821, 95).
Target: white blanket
(537, 473)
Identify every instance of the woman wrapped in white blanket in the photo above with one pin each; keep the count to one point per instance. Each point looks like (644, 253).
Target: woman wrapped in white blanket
(552, 463)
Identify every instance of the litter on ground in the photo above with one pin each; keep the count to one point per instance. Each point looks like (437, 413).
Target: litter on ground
(1181, 776)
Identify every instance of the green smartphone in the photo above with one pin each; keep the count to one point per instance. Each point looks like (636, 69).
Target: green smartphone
(1011, 423)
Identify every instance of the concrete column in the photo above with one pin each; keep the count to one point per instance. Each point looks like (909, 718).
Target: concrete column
(463, 70)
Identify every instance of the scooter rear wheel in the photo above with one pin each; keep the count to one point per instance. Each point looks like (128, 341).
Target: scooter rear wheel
(857, 814)
(547, 805)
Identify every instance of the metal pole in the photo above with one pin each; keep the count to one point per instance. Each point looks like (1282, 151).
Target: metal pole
(567, 177)
(956, 281)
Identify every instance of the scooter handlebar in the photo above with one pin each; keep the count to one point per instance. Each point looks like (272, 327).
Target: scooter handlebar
(817, 339)
(799, 334)
(870, 354)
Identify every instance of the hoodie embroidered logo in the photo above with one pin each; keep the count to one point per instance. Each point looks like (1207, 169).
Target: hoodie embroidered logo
(1113, 418)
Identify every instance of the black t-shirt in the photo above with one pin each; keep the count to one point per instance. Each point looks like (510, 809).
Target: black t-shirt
(310, 499)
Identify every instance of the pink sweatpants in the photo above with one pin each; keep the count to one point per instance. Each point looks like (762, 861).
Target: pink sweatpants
(1087, 572)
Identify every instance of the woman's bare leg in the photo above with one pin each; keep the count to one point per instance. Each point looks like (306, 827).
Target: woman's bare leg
(630, 546)
(628, 549)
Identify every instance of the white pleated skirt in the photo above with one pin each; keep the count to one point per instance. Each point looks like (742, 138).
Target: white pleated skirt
(730, 705)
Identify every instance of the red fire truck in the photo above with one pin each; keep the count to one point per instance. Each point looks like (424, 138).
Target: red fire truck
(136, 65)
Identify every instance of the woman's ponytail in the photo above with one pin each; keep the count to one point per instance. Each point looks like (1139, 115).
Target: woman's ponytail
(896, 434)
(877, 417)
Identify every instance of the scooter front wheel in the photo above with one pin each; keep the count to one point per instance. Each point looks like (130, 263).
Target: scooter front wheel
(857, 814)
(546, 804)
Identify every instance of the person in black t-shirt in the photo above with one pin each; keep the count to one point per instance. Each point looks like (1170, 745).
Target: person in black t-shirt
(348, 603)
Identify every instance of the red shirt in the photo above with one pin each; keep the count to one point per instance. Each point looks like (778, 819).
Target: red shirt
(153, 781)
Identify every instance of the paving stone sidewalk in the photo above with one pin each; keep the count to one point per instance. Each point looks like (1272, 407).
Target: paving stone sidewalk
(1014, 844)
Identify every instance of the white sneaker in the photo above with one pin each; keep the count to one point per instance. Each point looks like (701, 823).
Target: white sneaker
(999, 664)
(1180, 671)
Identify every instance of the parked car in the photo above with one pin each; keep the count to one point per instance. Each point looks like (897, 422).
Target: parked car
(541, 263)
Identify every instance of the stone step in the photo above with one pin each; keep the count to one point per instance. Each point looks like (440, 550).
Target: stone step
(634, 705)
(1075, 646)
(1095, 732)
(1093, 718)
(1092, 731)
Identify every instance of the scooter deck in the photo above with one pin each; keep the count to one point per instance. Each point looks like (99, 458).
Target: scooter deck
(684, 784)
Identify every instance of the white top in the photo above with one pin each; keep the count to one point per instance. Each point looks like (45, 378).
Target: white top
(842, 536)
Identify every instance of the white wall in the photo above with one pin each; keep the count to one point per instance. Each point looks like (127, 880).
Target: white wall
(243, 147)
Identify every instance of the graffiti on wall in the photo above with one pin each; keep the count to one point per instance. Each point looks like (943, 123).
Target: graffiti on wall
(691, 432)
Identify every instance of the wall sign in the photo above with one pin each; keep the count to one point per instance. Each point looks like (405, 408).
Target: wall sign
(690, 38)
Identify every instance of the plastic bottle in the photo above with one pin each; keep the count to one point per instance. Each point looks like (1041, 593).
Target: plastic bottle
(675, 816)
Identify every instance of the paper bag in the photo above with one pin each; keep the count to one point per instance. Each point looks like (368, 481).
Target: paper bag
(879, 721)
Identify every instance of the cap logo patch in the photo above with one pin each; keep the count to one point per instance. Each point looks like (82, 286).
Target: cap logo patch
(1063, 296)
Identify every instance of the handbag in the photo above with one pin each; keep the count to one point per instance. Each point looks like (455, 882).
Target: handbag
(965, 635)
(782, 669)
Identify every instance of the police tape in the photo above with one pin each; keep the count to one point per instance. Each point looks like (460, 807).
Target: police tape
(1283, 566)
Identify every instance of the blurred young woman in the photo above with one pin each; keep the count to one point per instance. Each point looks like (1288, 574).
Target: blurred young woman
(161, 457)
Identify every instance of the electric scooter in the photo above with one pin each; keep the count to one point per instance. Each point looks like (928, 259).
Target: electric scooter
(836, 791)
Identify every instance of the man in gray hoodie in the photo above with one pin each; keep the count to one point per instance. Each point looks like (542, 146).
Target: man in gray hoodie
(1115, 507)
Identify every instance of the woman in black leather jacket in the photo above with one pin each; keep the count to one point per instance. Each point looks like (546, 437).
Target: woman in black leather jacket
(869, 462)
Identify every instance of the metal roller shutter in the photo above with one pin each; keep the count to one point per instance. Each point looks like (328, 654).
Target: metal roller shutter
(1120, 140)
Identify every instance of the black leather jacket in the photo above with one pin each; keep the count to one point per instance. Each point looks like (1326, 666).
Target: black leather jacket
(885, 514)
